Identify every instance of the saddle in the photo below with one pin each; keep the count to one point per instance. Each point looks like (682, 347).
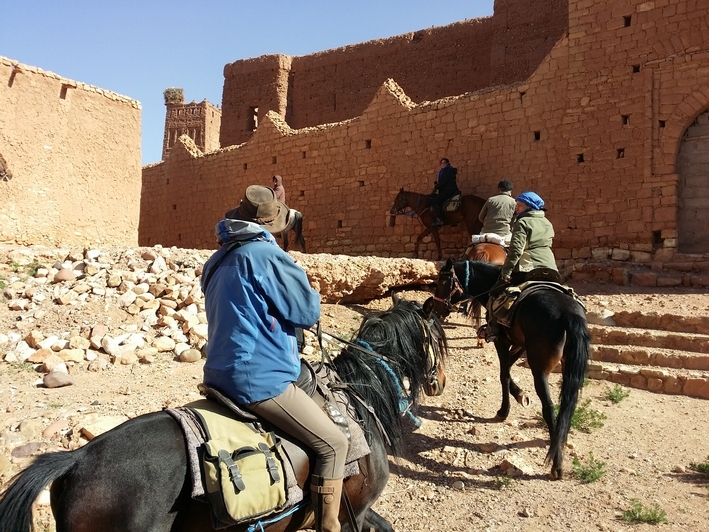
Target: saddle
(453, 204)
(323, 386)
(504, 305)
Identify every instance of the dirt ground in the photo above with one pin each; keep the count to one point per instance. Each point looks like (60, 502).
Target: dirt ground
(449, 478)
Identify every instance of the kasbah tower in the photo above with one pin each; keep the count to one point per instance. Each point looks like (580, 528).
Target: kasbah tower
(600, 107)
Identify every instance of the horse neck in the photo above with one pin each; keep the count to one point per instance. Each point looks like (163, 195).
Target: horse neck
(475, 281)
(415, 201)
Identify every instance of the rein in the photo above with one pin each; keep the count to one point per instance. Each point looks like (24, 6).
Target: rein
(414, 210)
(460, 288)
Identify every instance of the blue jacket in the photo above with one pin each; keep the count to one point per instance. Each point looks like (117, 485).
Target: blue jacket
(254, 300)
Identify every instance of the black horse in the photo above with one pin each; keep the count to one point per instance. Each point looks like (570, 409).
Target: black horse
(549, 325)
(136, 476)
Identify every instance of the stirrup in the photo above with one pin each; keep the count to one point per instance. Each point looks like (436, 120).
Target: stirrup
(486, 333)
(437, 223)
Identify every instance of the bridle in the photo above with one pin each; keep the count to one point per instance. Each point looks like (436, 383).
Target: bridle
(409, 211)
(456, 287)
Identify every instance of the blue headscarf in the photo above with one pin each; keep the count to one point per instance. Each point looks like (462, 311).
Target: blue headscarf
(531, 199)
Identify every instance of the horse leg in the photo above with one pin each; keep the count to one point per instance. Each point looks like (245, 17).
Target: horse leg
(284, 236)
(517, 392)
(503, 349)
(424, 234)
(372, 520)
(437, 240)
(541, 385)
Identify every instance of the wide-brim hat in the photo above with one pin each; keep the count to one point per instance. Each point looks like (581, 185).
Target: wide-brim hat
(260, 206)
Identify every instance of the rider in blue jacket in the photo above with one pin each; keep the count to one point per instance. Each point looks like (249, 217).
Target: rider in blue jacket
(255, 297)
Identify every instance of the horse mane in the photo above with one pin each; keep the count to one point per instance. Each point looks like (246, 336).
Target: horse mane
(398, 340)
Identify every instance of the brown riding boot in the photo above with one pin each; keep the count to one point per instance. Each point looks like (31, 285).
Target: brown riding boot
(327, 493)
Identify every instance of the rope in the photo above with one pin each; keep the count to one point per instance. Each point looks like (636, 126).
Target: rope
(405, 401)
(258, 525)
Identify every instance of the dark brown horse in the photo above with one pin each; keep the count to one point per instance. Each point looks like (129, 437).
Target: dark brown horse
(485, 252)
(549, 325)
(418, 205)
(137, 476)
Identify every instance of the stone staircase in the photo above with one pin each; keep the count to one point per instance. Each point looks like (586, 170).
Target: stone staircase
(657, 352)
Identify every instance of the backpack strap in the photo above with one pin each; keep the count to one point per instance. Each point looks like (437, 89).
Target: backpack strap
(232, 246)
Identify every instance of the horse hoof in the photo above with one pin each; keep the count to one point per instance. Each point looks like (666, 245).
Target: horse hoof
(556, 474)
(501, 417)
(523, 400)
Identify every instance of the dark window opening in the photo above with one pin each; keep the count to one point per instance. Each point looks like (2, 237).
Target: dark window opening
(302, 193)
(179, 236)
(174, 206)
(625, 119)
(361, 183)
(246, 166)
(11, 81)
(579, 158)
(339, 224)
(662, 123)
(167, 181)
(626, 20)
(252, 119)
(368, 144)
(636, 69)
(656, 239)
(537, 135)
(63, 91)
(620, 153)
(303, 155)
(521, 95)
(274, 159)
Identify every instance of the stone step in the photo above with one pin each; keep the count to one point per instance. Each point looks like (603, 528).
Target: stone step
(639, 356)
(663, 322)
(669, 381)
(606, 335)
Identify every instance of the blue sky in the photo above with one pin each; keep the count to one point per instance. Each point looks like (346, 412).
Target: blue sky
(138, 49)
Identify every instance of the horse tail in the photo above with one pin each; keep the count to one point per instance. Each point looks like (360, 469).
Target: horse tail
(577, 349)
(16, 502)
(299, 230)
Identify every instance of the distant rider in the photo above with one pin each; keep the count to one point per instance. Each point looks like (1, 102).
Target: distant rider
(444, 188)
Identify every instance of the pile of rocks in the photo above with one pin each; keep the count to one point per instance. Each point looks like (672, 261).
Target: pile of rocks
(155, 299)
(158, 295)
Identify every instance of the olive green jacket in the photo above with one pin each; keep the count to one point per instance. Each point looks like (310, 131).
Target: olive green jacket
(530, 246)
(496, 214)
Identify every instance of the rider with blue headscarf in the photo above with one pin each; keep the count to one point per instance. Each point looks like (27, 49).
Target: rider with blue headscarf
(530, 245)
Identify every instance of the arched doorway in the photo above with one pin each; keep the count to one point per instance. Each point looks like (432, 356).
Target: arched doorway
(693, 200)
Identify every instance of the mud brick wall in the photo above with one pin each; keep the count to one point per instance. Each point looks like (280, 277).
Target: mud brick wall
(430, 64)
(74, 154)
(596, 130)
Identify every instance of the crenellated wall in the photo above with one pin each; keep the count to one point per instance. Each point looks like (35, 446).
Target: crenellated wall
(74, 153)
(429, 64)
(596, 130)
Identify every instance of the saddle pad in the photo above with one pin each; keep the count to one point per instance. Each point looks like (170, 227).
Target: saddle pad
(452, 204)
(491, 238)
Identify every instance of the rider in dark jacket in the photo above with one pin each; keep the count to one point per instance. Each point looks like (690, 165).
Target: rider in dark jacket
(444, 188)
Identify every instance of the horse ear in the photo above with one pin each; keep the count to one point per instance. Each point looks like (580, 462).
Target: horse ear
(428, 308)
(449, 263)
(402, 189)
(395, 299)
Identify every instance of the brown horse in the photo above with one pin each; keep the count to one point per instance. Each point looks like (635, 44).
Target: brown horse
(484, 252)
(418, 205)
